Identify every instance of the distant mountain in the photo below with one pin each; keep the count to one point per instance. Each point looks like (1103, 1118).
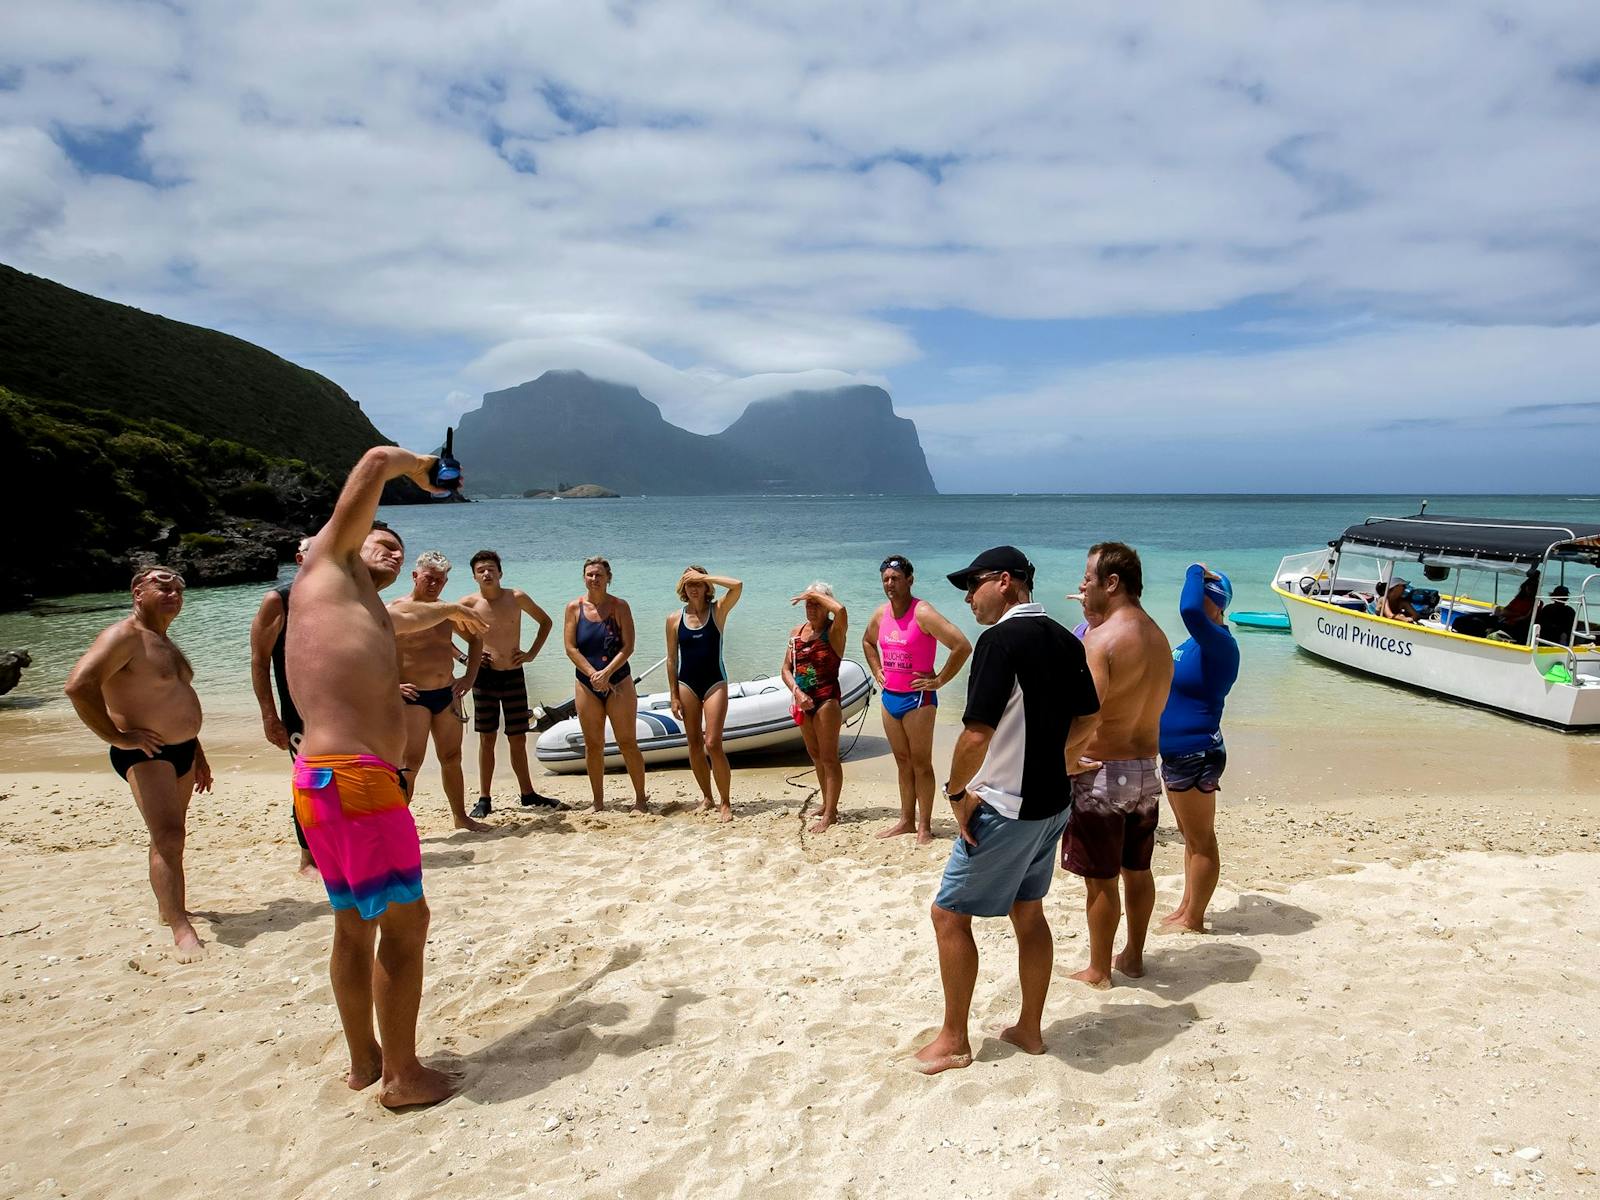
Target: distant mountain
(60, 345)
(839, 440)
(567, 426)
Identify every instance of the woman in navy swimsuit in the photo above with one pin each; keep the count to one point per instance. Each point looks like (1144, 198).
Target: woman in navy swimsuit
(696, 678)
(598, 634)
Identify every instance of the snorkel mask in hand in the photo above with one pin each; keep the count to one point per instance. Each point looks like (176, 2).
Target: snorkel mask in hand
(445, 474)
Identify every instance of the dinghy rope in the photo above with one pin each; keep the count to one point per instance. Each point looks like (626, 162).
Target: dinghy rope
(860, 722)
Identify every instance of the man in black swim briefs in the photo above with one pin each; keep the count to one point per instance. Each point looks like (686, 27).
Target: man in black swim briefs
(430, 688)
(280, 720)
(134, 690)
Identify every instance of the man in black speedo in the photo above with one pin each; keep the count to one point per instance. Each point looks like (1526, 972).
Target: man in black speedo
(280, 720)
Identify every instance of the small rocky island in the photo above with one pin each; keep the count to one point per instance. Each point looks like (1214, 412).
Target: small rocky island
(583, 491)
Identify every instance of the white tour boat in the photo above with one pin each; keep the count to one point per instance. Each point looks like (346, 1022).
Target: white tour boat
(1540, 663)
(758, 719)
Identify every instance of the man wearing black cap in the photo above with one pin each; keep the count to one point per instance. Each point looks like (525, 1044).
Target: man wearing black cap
(1030, 700)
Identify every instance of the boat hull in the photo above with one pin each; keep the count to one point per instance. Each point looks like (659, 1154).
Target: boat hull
(758, 719)
(1502, 676)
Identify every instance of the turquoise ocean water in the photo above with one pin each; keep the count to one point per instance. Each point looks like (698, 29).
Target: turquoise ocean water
(777, 546)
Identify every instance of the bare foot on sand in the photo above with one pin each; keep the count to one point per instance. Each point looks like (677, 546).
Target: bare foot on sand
(1130, 964)
(599, 806)
(896, 829)
(703, 807)
(365, 1070)
(1092, 977)
(924, 836)
(943, 1054)
(419, 1086)
(639, 806)
(1173, 917)
(725, 813)
(472, 826)
(307, 869)
(1026, 1040)
(186, 944)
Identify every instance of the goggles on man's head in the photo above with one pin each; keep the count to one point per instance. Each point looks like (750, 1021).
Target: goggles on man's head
(161, 577)
(897, 563)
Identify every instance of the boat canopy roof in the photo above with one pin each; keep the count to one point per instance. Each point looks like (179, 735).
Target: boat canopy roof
(1487, 542)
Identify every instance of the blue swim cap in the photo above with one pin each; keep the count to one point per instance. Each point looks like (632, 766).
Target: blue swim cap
(1220, 591)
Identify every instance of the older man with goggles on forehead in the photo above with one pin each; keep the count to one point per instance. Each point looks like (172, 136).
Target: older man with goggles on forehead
(134, 690)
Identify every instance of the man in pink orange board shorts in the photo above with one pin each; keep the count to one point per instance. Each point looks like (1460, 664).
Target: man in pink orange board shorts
(343, 671)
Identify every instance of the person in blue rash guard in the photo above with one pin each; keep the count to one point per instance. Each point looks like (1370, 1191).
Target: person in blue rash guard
(1192, 753)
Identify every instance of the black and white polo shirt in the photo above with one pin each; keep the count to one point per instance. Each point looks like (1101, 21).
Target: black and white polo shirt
(1029, 678)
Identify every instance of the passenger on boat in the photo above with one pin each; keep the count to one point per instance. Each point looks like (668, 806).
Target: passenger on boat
(599, 646)
(1395, 603)
(697, 680)
(1510, 621)
(811, 671)
(1516, 617)
(1556, 618)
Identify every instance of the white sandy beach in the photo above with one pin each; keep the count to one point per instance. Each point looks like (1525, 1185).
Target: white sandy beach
(1399, 996)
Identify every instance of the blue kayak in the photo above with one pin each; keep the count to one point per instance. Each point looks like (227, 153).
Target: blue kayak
(1260, 620)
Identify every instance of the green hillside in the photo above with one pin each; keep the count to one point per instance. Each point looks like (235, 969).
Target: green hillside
(93, 490)
(63, 346)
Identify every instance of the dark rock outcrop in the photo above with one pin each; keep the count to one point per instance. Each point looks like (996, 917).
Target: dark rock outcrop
(565, 425)
(121, 492)
(11, 664)
(234, 551)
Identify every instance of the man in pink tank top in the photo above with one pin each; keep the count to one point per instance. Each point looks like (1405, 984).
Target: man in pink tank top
(901, 643)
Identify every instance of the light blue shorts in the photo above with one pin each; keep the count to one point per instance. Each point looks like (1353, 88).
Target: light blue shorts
(1013, 861)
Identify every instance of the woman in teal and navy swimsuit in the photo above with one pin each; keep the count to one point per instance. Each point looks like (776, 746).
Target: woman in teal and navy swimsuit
(696, 678)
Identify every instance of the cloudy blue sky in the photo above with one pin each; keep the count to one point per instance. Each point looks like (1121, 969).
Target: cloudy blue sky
(1224, 246)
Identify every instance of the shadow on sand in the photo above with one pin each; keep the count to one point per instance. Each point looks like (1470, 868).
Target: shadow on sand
(1259, 915)
(568, 1037)
(1114, 1035)
(238, 929)
(1179, 965)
